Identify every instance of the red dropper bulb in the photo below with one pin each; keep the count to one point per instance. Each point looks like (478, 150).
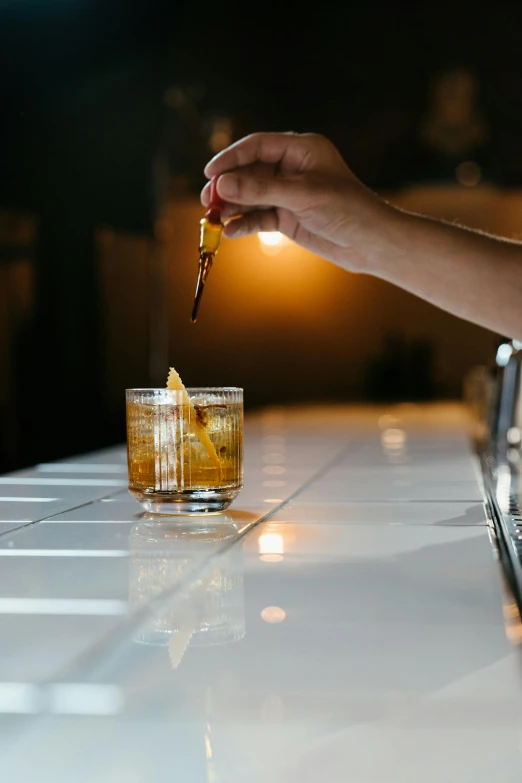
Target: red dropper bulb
(216, 203)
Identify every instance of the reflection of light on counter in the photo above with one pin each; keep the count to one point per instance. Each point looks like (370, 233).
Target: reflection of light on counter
(503, 487)
(514, 435)
(393, 438)
(273, 500)
(273, 614)
(85, 699)
(22, 698)
(393, 441)
(504, 352)
(208, 747)
(274, 441)
(271, 547)
(274, 469)
(274, 483)
(513, 621)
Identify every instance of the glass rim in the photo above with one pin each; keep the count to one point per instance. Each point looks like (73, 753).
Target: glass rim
(188, 388)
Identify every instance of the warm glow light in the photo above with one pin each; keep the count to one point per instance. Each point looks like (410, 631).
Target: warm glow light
(273, 614)
(270, 237)
(274, 469)
(271, 547)
(221, 135)
(273, 500)
(271, 544)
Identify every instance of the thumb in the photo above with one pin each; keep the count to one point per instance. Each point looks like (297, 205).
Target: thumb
(247, 189)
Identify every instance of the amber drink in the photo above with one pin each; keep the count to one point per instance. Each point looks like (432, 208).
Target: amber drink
(185, 454)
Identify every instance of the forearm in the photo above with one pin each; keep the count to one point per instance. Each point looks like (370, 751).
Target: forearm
(472, 275)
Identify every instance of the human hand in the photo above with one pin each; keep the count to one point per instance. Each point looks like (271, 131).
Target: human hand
(300, 185)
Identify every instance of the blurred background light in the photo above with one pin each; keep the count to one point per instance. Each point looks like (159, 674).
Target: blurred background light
(469, 173)
(271, 241)
(504, 353)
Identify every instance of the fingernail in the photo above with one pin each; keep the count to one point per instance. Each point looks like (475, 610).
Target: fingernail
(227, 186)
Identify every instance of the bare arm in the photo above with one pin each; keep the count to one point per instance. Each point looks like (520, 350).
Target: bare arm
(300, 185)
(472, 275)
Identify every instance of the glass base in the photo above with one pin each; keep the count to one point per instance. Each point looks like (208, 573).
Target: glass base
(202, 637)
(191, 502)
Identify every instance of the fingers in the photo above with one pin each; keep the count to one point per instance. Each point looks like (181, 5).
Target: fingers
(257, 220)
(246, 190)
(236, 210)
(257, 186)
(256, 169)
(270, 220)
(290, 150)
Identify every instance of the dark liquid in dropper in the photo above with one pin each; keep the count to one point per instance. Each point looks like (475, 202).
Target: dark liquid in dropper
(205, 264)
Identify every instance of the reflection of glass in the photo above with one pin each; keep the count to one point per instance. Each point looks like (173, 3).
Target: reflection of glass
(210, 610)
(185, 458)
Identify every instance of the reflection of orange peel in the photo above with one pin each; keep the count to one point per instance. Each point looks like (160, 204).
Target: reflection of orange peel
(174, 383)
(188, 621)
(178, 644)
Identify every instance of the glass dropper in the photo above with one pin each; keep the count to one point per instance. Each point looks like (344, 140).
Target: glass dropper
(211, 230)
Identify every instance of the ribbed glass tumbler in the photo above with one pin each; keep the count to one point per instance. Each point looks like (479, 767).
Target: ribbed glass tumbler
(185, 456)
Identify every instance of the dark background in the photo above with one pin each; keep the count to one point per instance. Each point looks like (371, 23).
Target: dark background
(108, 109)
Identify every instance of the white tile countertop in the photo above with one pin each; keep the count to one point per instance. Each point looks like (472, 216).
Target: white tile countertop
(344, 621)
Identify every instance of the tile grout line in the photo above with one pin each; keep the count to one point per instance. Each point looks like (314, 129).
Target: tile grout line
(57, 514)
(135, 620)
(96, 500)
(119, 635)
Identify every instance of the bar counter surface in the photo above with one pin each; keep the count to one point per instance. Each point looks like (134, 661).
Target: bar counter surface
(346, 620)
